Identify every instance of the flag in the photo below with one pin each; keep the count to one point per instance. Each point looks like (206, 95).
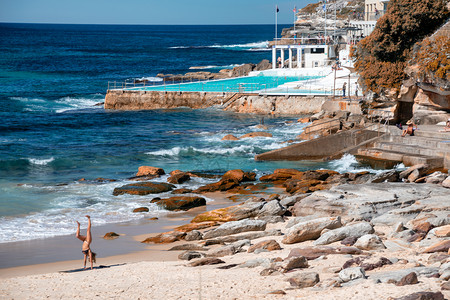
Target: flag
(277, 9)
(295, 9)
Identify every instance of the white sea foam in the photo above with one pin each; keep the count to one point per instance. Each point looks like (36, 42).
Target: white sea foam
(41, 162)
(215, 67)
(254, 46)
(72, 202)
(74, 103)
(154, 79)
(348, 163)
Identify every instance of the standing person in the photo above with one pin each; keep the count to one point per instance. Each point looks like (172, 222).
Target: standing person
(86, 247)
(356, 89)
(344, 86)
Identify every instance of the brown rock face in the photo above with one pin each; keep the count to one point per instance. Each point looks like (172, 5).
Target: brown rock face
(231, 213)
(230, 137)
(166, 237)
(222, 185)
(443, 231)
(178, 178)
(146, 171)
(180, 203)
(411, 278)
(111, 236)
(239, 176)
(423, 296)
(143, 188)
(182, 191)
(442, 246)
(140, 209)
(256, 134)
(269, 245)
(280, 175)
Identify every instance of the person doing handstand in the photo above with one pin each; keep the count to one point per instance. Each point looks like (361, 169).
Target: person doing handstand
(86, 247)
(410, 129)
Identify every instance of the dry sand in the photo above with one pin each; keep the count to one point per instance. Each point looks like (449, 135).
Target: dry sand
(154, 274)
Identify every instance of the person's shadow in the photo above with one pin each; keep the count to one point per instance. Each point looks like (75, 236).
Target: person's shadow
(88, 269)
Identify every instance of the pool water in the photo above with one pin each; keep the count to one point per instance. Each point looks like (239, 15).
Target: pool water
(233, 85)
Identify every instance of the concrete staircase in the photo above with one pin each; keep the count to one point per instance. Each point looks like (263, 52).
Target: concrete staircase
(428, 145)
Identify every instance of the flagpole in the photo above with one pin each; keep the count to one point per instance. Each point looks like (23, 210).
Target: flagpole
(325, 27)
(276, 24)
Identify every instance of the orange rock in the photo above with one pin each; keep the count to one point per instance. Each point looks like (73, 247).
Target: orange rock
(146, 170)
(230, 137)
(442, 246)
(303, 186)
(140, 209)
(256, 134)
(269, 245)
(303, 120)
(218, 215)
(111, 236)
(166, 237)
(175, 172)
(443, 231)
(196, 226)
(239, 175)
(423, 227)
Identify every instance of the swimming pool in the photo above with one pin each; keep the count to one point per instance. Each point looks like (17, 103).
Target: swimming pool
(246, 84)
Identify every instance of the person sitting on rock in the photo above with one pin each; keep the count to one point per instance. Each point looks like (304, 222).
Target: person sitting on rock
(410, 129)
(447, 126)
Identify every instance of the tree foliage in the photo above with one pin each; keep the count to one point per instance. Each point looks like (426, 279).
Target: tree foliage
(433, 58)
(382, 56)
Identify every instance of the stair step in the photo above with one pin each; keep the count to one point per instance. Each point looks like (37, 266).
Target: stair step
(412, 149)
(425, 142)
(407, 158)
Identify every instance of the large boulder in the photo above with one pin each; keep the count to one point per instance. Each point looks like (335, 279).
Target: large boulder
(355, 230)
(272, 208)
(310, 230)
(242, 70)
(370, 242)
(235, 227)
(263, 65)
(149, 171)
(143, 188)
(166, 237)
(280, 175)
(222, 185)
(231, 213)
(180, 202)
(239, 176)
(179, 178)
(304, 279)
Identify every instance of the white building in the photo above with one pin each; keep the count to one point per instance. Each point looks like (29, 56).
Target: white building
(307, 56)
(373, 10)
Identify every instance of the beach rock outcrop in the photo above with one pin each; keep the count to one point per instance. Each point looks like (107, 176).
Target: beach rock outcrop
(206, 261)
(196, 226)
(352, 274)
(369, 242)
(231, 213)
(256, 134)
(311, 253)
(355, 230)
(143, 188)
(310, 230)
(180, 202)
(234, 227)
(110, 236)
(230, 137)
(178, 177)
(149, 171)
(304, 279)
(269, 245)
(166, 237)
(189, 255)
(423, 296)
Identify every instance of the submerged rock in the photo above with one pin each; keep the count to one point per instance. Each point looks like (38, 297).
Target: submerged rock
(147, 170)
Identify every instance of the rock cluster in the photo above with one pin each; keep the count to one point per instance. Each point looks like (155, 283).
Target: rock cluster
(370, 220)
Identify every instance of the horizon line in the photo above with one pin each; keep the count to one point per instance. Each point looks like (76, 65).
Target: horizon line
(112, 24)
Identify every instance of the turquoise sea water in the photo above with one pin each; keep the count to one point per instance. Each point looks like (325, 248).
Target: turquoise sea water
(52, 134)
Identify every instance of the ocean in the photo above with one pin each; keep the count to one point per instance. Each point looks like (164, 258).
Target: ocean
(53, 134)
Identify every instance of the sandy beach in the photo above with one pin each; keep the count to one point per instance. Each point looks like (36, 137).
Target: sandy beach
(159, 275)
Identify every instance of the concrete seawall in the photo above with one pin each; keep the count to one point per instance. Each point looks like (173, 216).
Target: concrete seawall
(322, 148)
(142, 100)
(242, 103)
